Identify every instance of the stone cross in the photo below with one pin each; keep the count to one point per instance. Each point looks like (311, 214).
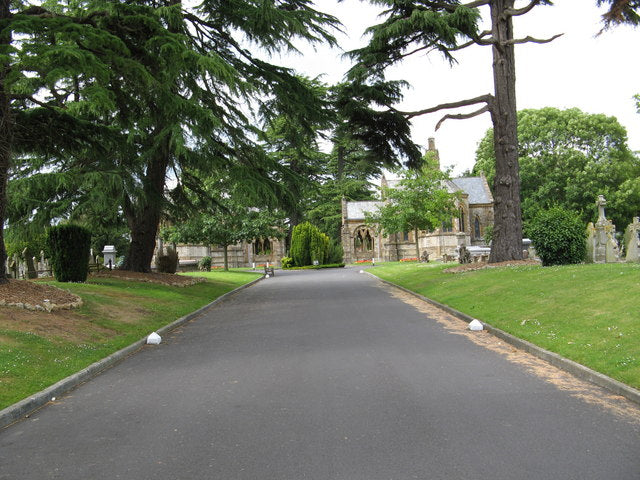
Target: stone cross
(601, 202)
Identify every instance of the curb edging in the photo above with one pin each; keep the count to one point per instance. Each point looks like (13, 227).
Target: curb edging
(23, 408)
(574, 368)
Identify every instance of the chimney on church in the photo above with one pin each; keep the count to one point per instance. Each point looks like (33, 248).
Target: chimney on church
(432, 151)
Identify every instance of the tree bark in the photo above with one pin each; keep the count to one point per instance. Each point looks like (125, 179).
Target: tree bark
(6, 135)
(415, 232)
(143, 218)
(507, 232)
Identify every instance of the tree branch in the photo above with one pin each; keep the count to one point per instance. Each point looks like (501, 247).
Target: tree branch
(475, 41)
(516, 41)
(477, 3)
(488, 99)
(462, 116)
(515, 12)
(450, 7)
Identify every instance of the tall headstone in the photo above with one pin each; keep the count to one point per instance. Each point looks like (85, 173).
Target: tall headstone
(30, 265)
(632, 241)
(602, 246)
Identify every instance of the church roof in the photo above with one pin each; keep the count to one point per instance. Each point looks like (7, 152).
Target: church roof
(356, 210)
(476, 187)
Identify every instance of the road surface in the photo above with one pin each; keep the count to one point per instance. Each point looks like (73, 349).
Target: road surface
(320, 375)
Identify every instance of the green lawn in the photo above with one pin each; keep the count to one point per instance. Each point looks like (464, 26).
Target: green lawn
(37, 349)
(588, 313)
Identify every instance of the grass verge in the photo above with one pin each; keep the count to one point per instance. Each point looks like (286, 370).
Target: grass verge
(587, 313)
(38, 349)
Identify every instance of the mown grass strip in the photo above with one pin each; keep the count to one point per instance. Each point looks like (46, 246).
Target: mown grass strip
(587, 313)
(38, 349)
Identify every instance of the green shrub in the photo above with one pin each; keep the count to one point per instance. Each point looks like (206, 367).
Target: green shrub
(488, 234)
(308, 245)
(205, 264)
(286, 262)
(168, 263)
(558, 236)
(335, 253)
(68, 248)
(300, 244)
(318, 246)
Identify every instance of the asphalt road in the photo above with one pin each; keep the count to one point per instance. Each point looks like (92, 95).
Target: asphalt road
(319, 375)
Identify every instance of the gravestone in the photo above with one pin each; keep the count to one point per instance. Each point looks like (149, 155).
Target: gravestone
(13, 266)
(31, 268)
(43, 265)
(632, 241)
(602, 246)
(464, 256)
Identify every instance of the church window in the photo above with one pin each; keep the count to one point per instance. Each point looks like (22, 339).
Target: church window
(447, 227)
(461, 220)
(368, 242)
(405, 236)
(262, 246)
(363, 241)
(476, 227)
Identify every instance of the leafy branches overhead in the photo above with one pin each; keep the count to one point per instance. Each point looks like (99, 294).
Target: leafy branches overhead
(155, 91)
(620, 11)
(446, 26)
(568, 158)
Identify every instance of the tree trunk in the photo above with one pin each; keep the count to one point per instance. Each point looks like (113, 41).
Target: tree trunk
(143, 216)
(226, 257)
(415, 232)
(143, 229)
(507, 231)
(6, 135)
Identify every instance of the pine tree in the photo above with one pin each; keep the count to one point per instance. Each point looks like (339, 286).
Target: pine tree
(6, 125)
(168, 100)
(447, 26)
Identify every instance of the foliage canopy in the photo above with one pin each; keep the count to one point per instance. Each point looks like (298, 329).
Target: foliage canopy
(568, 158)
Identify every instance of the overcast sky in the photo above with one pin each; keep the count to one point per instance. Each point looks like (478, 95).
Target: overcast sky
(598, 74)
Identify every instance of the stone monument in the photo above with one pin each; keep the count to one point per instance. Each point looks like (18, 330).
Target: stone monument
(632, 241)
(602, 246)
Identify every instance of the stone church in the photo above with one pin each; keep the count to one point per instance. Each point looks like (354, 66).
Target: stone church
(475, 213)
(362, 242)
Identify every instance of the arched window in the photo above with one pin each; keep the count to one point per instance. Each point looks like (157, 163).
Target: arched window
(357, 242)
(363, 240)
(262, 246)
(476, 227)
(447, 227)
(461, 220)
(368, 242)
(405, 236)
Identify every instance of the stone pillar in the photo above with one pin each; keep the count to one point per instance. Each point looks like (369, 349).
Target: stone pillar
(345, 235)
